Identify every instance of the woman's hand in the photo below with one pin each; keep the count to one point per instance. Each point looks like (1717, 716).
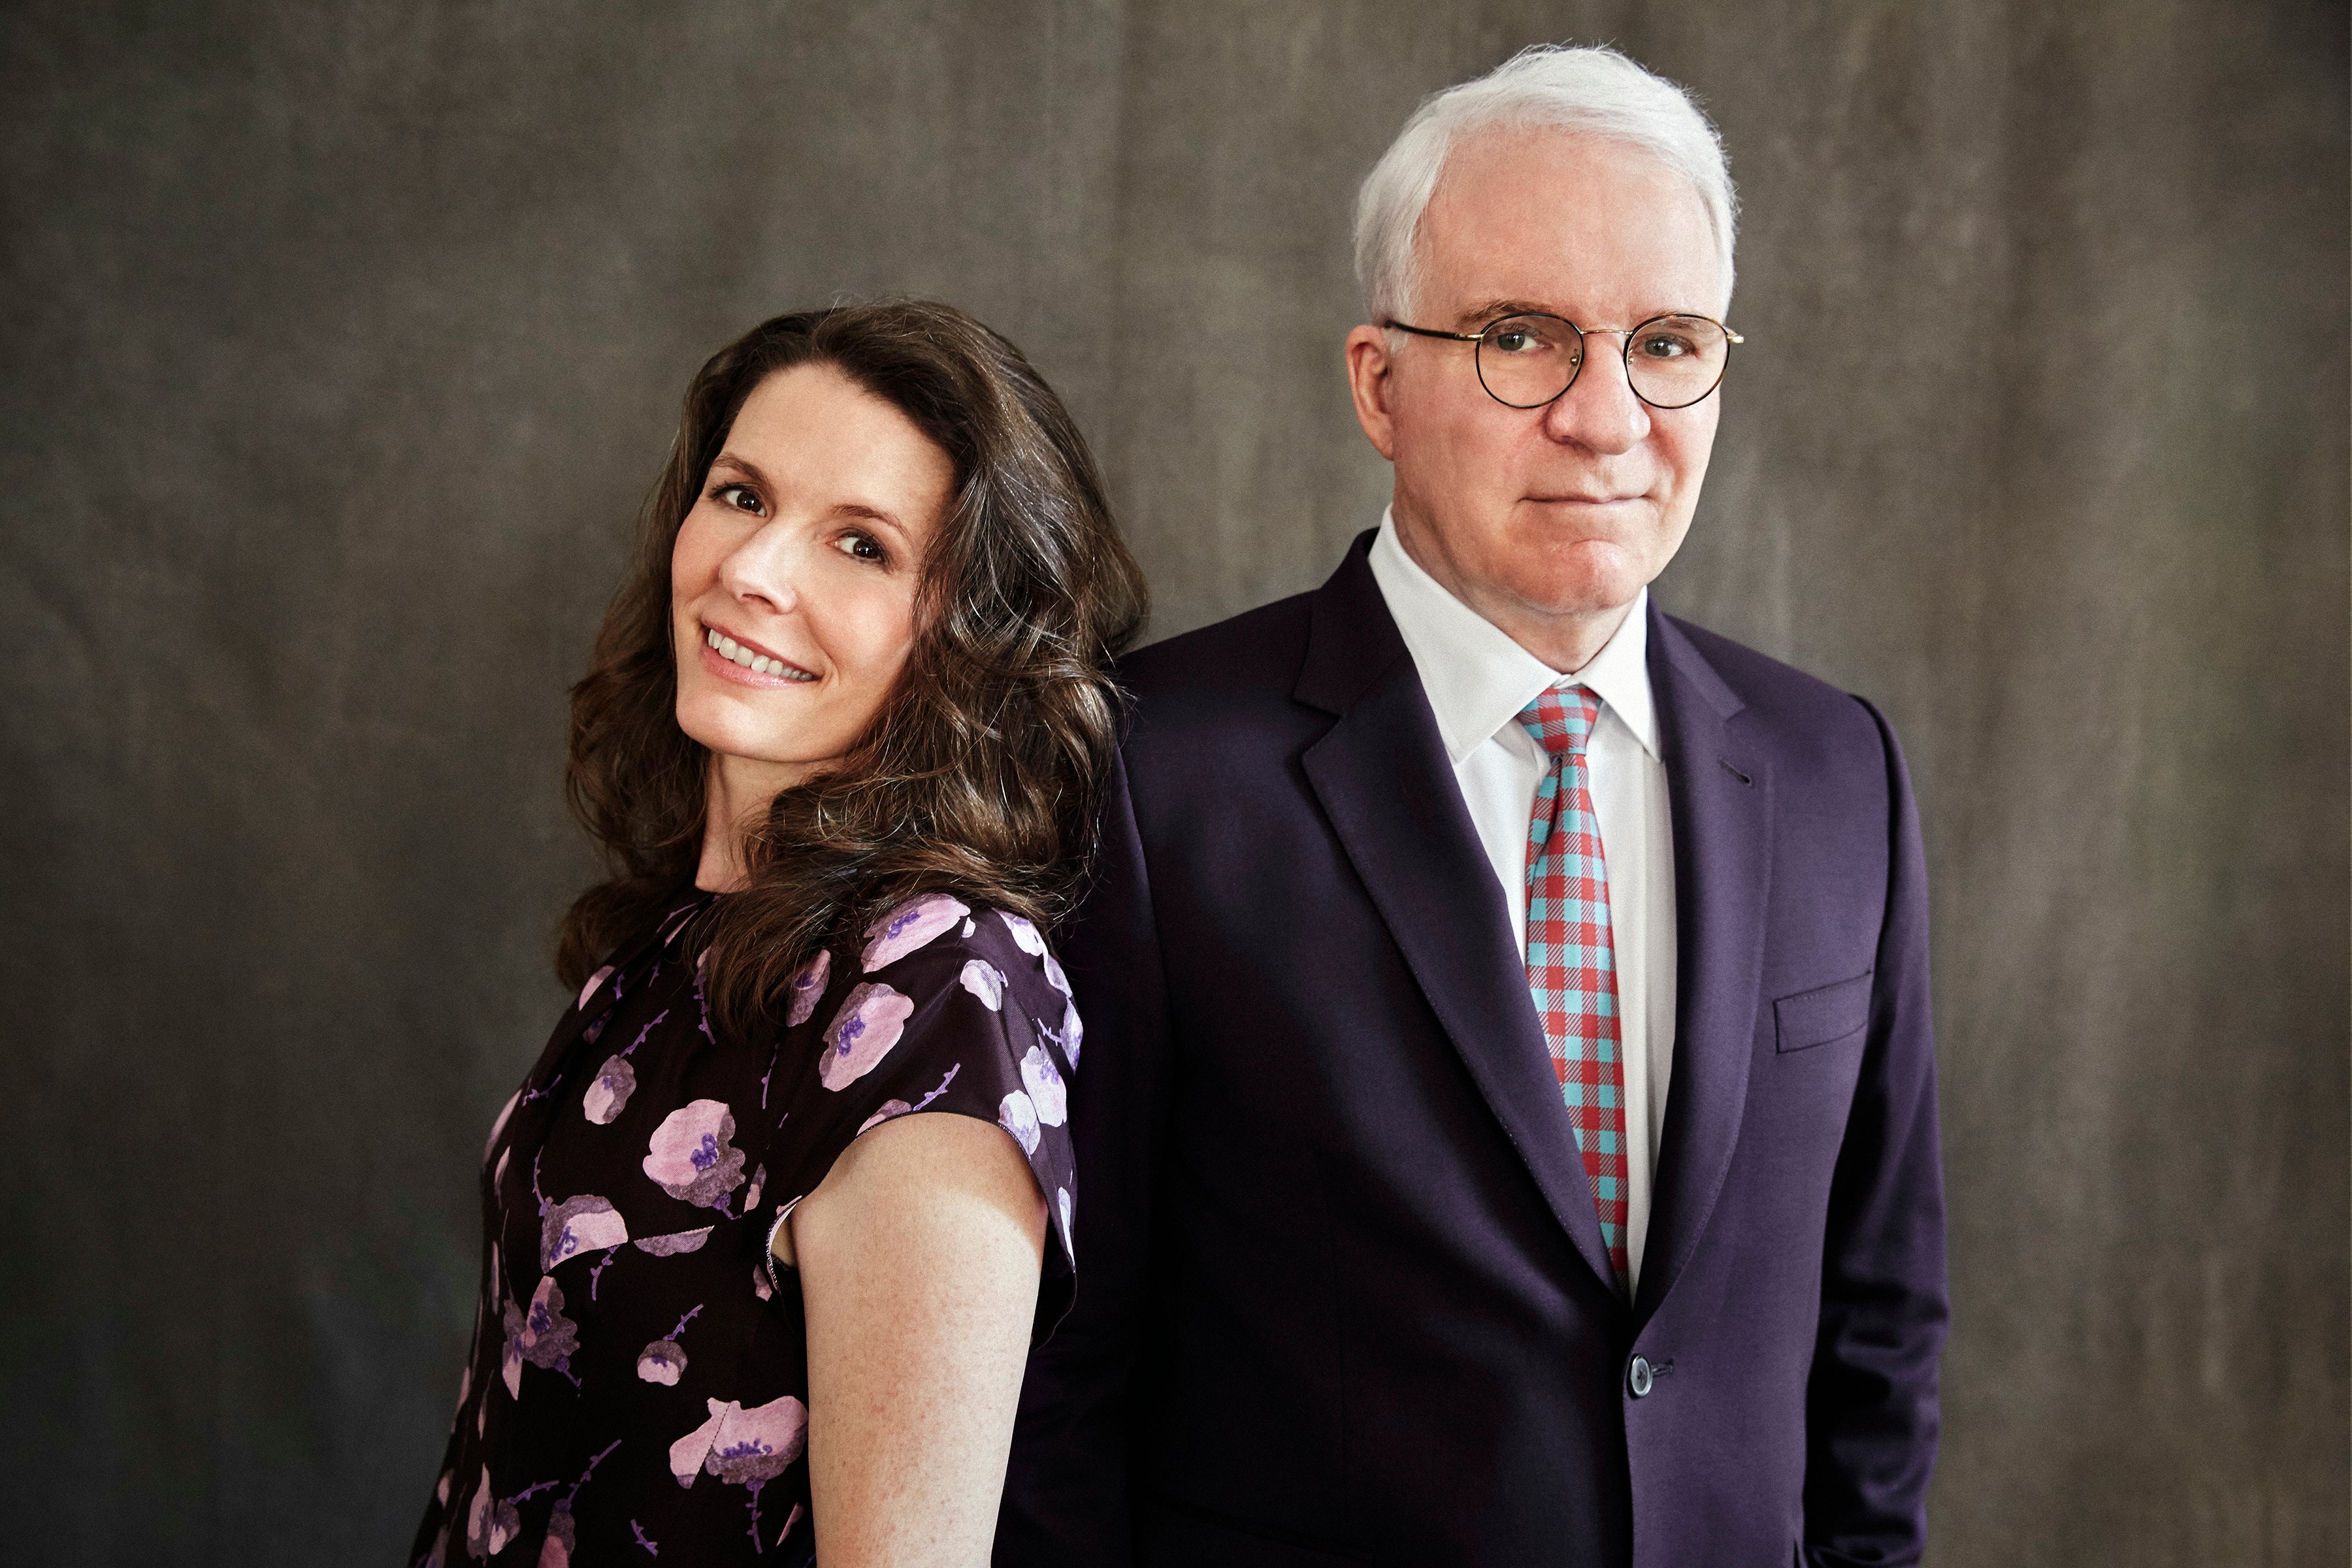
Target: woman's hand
(918, 1258)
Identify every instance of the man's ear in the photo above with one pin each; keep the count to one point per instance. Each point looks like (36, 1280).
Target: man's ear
(1368, 382)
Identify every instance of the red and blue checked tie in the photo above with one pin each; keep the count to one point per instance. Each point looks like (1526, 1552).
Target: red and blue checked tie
(1572, 966)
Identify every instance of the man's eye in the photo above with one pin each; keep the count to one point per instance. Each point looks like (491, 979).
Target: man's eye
(739, 497)
(1661, 346)
(1514, 342)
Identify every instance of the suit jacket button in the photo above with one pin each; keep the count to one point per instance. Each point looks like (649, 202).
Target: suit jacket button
(1637, 1377)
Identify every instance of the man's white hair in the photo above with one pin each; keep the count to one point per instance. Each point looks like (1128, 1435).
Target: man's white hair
(1595, 91)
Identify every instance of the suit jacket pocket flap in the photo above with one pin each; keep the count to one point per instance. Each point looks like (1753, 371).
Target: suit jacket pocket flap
(1827, 1012)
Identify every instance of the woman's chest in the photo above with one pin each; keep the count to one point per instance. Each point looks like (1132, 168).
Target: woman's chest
(646, 1137)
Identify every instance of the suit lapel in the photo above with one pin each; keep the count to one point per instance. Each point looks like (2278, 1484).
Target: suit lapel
(1383, 780)
(1722, 806)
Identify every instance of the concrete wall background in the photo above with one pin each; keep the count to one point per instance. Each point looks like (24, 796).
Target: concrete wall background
(340, 343)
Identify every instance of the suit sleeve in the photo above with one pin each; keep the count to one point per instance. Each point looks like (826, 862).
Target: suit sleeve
(1066, 1488)
(1870, 1407)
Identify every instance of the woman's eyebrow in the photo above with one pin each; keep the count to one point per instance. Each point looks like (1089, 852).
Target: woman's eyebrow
(743, 466)
(848, 509)
(873, 513)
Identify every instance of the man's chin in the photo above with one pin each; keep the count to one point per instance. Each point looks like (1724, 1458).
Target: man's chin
(1580, 594)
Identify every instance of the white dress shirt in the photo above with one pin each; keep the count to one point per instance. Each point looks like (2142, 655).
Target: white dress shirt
(1478, 680)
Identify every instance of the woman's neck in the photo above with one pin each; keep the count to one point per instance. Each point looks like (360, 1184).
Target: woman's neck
(737, 793)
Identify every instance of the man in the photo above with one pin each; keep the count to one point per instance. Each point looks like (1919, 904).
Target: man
(1508, 1127)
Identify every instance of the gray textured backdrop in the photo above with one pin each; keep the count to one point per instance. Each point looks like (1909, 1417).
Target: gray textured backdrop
(341, 342)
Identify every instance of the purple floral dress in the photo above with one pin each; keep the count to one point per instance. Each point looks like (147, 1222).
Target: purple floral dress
(639, 1375)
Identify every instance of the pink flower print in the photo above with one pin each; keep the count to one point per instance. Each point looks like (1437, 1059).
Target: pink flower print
(662, 1360)
(1017, 1116)
(741, 1447)
(499, 1125)
(893, 1108)
(563, 1539)
(540, 1335)
(759, 1285)
(808, 988)
(752, 1192)
(441, 1492)
(675, 923)
(1072, 1032)
(1054, 976)
(871, 1020)
(489, 1524)
(510, 1358)
(1043, 1083)
(970, 926)
(675, 1242)
(562, 1535)
(615, 1081)
(1069, 1229)
(690, 1156)
(908, 927)
(585, 1224)
(985, 981)
(595, 979)
(499, 1176)
(1024, 935)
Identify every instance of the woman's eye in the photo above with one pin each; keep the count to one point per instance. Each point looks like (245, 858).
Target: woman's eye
(863, 546)
(739, 497)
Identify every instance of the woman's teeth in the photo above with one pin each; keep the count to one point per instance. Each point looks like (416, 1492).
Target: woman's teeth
(757, 663)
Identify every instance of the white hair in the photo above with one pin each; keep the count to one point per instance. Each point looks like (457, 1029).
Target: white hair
(1595, 91)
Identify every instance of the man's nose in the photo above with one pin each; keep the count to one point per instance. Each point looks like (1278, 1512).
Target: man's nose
(765, 570)
(1600, 410)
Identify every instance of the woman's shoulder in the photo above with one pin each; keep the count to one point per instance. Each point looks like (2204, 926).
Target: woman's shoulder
(936, 938)
(939, 979)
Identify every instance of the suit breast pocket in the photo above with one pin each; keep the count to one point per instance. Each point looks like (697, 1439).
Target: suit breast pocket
(1822, 1015)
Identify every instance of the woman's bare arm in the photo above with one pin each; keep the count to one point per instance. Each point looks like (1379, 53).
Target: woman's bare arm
(918, 1258)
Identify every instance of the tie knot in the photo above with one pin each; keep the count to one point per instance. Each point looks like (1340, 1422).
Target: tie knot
(1561, 721)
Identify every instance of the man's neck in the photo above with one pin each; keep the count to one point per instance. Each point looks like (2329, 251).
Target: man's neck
(1566, 640)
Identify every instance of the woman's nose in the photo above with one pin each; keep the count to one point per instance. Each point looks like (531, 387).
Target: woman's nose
(764, 569)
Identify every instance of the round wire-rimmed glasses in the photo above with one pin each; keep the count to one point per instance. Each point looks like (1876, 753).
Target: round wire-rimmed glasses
(1526, 361)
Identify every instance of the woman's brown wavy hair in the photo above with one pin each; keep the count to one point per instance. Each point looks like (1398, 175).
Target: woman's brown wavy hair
(978, 776)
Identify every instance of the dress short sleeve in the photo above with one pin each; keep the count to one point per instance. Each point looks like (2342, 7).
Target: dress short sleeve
(946, 1008)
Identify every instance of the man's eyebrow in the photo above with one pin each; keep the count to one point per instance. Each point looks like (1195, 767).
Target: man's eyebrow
(1495, 309)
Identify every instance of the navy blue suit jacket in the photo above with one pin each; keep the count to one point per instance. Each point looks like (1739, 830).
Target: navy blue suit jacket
(1342, 1293)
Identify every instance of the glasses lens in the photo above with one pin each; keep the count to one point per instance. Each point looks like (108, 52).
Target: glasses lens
(1526, 361)
(1675, 361)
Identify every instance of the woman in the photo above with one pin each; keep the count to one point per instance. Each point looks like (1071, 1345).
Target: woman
(847, 719)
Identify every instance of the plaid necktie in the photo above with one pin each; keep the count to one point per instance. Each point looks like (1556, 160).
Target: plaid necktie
(1572, 966)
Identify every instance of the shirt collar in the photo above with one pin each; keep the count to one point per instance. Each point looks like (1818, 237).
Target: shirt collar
(1478, 680)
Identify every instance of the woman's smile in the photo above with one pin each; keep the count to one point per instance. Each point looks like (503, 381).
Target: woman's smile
(746, 662)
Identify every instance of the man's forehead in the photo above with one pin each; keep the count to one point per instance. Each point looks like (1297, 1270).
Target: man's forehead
(1555, 220)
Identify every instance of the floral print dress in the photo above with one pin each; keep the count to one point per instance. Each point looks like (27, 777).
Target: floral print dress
(639, 1384)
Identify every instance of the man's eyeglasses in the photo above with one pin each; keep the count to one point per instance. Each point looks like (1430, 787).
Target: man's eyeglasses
(1526, 361)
